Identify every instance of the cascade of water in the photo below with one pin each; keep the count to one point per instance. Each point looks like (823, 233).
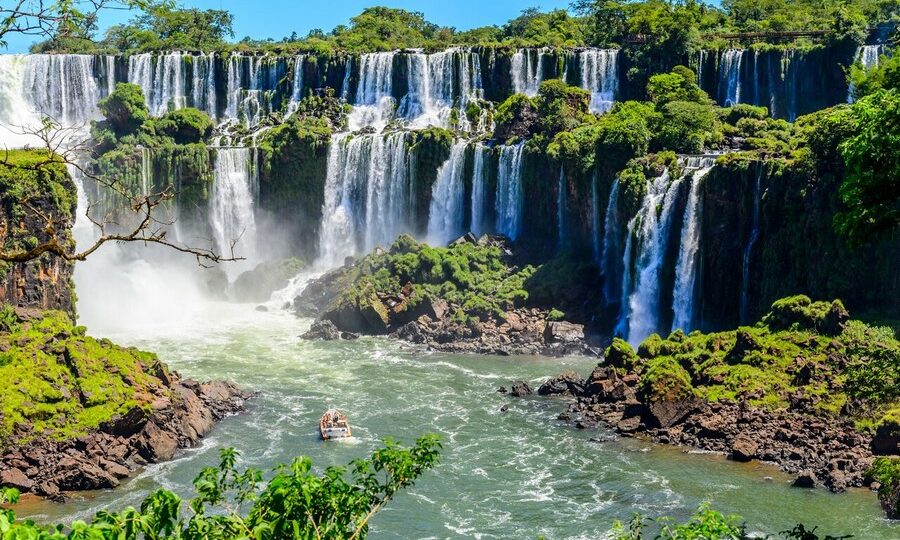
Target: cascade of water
(445, 216)
(526, 74)
(730, 77)
(640, 306)
(16, 113)
(790, 67)
(110, 68)
(146, 179)
(204, 90)
(599, 75)
(612, 252)
(700, 65)
(509, 191)
(345, 85)
(441, 85)
(686, 266)
(297, 82)
(477, 226)
(61, 86)
(366, 195)
(374, 104)
(231, 213)
(748, 248)
(165, 81)
(757, 99)
(561, 209)
(869, 57)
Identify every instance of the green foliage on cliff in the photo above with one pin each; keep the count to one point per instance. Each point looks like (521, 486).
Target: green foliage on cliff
(125, 109)
(183, 126)
(800, 350)
(476, 279)
(60, 383)
(296, 502)
(871, 187)
(27, 175)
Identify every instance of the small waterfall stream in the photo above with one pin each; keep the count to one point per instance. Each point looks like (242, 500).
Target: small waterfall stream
(445, 216)
(526, 73)
(748, 248)
(730, 77)
(232, 207)
(611, 255)
(640, 309)
(686, 266)
(599, 75)
(869, 57)
(509, 191)
(561, 209)
(478, 193)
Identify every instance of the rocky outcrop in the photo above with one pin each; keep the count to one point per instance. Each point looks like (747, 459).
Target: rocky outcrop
(44, 282)
(827, 452)
(178, 417)
(524, 332)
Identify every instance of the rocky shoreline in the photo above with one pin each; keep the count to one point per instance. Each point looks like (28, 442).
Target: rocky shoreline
(178, 419)
(817, 451)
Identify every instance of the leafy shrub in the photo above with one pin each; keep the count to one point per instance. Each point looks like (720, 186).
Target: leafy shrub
(124, 109)
(184, 126)
(295, 503)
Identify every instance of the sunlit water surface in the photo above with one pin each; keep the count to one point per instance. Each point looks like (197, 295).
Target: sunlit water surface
(519, 474)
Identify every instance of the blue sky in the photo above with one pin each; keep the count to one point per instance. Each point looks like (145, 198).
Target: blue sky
(278, 18)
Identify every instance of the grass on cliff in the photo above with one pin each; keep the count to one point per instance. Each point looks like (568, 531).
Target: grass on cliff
(800, 350)
(59, 383)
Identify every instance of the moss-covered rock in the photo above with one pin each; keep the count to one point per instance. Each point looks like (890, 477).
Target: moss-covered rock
(886, 471)
(257, 285)
(61, 384)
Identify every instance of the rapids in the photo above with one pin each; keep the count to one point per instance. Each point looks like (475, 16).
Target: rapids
(519, 474)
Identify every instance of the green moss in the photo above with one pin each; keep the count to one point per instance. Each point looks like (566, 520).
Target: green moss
(784, 354)
(665, 380)
(61, 384)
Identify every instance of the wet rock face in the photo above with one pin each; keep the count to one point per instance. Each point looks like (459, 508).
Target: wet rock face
(183, 412)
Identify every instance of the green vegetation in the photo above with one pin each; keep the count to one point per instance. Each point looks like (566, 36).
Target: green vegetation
(886, 471)
(294, 503)
(666, 32)
(61, 384)
(799, 348)
(474, 278)
(706, 524)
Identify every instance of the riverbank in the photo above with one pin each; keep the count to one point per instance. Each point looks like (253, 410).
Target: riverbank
(84, 414)
(806, 389)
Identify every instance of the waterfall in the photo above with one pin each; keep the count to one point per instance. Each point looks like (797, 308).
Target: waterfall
(561, 209)
(599, 75)
(686, 266)
(869, 57)
(16, 112)
(297, 83)
(231, 212)
(700, 65)
(478, 193)
(612, 252)
(650, 227)
(509, 191)
(374, 104)
(110, 67)
(526, 75)
(166, 82)
(445, 216)
(748, 248)
(730, 77)
(62, 86)
(441, 85)
(366, 195)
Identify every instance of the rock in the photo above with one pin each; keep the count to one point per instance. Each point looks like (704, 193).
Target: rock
(323, 330)
(15, 478)
(666, 413)
(629, 425)
(467, 238)
(744, 448)
(156, 444)
(262, 309)
(119, 471)
(257, 285)
(504, 408)
(566, 383)
(49, 490)
(127, 424)
(744, 343)
(805, 479)
(80, 475)
(563, 332)
(835, 320)
(887, 439)
(520, 389)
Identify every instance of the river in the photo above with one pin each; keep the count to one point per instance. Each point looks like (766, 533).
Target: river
(515, 474)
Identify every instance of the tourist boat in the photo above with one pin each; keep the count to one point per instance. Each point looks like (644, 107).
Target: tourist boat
(334, 425)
